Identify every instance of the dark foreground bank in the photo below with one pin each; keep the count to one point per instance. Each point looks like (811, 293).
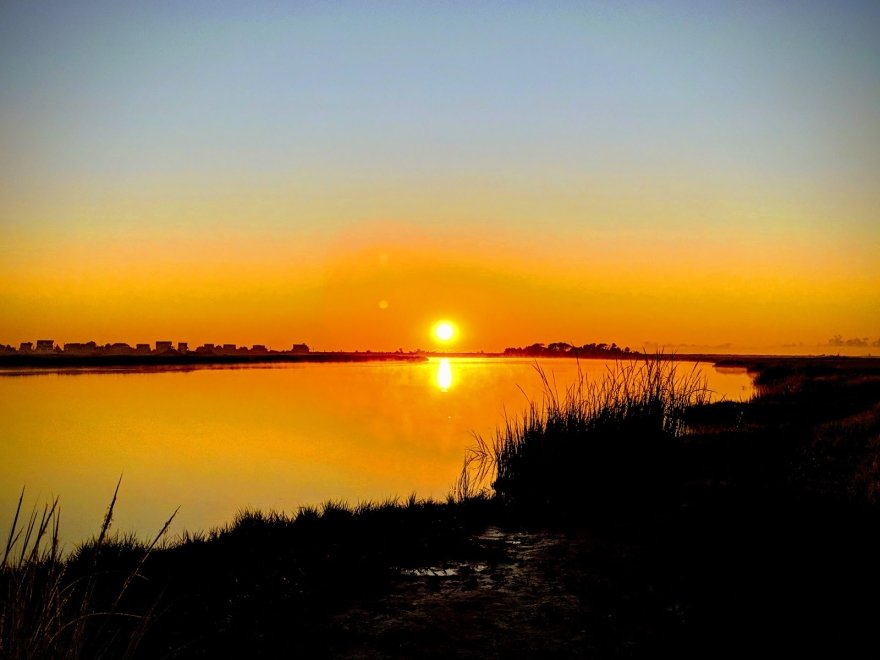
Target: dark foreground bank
(630, 519)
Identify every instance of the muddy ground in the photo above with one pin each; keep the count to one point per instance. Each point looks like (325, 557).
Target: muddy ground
(535, 594)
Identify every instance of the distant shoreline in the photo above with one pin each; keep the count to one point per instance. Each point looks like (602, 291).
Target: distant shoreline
(55, 361)
(749, 360)
(60, 360)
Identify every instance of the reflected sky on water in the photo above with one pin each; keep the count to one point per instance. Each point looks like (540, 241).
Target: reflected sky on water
(214, 441)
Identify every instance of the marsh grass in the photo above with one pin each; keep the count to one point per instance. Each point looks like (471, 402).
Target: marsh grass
(268, 583)
(70, 607)
(31, 580)
(403, 529)
(602, 443)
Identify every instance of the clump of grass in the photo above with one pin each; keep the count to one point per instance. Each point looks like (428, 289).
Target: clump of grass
(842, 458)
(30, 578)
(602, 444)
(74, 607)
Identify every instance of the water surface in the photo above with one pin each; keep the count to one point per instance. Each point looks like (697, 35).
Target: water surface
(214, 441)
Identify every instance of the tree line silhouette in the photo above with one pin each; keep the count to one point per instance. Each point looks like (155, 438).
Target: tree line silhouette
(561, 348)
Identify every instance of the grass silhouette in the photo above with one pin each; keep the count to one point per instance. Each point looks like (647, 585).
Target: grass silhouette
(73, 607)
(599, 446)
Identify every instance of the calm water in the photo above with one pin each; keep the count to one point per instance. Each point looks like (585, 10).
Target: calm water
(214, 441)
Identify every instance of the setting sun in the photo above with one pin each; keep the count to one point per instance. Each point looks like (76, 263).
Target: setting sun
(444, 331)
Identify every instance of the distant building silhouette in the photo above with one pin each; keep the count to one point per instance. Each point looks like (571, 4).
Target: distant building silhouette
(162, 347)
(76, 348)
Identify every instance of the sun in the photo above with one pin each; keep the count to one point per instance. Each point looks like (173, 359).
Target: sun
(444, 331)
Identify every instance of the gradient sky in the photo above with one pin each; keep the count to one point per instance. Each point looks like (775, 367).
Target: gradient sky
(270, 172)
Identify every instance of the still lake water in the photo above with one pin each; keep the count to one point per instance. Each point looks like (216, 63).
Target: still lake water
(217, 440)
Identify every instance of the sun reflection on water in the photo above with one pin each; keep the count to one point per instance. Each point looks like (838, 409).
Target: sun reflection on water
(444, 375)
(275, 437)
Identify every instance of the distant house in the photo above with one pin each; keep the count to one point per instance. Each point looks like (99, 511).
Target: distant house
(182, 347)
(164, 347)
(119, 348)
(299, 348)
(75, 348)
(45, 345)
(259, 349)
(25, 347)
(142, 348)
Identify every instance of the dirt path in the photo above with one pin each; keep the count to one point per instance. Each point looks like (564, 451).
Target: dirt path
(538, 595)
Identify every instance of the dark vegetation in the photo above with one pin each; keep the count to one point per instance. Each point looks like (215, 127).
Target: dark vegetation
(264, 586)
(596, 449)
(564, 349)
(678, 526)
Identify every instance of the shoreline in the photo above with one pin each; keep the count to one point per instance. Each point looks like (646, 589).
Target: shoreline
(54, 361)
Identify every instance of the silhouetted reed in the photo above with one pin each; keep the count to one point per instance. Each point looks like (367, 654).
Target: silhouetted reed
(74, 607)
(602, 444)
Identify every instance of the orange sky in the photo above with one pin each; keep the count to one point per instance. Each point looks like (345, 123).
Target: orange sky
(674, 178)
(502, 289)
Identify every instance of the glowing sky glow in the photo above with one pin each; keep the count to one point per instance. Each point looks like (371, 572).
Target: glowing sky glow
(344, 173)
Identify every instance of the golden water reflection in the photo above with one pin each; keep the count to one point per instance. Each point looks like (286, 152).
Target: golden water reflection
(444, 374)
(214, 441)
